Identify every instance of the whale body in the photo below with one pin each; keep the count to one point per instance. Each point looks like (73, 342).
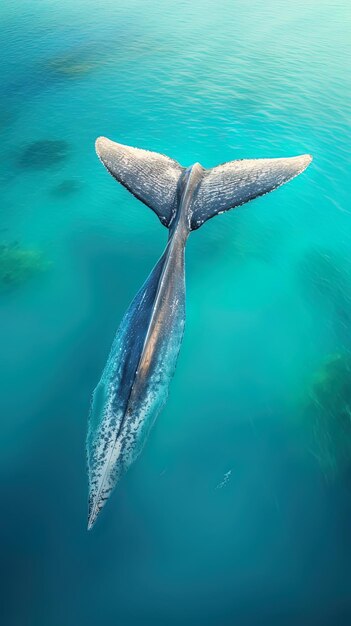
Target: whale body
(134, 383)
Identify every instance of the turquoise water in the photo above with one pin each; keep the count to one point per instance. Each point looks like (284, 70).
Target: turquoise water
(235, 513)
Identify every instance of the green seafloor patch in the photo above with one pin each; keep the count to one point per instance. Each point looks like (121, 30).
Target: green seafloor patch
(43, 154)
(327, 414)
(18, 265)
(65, 188)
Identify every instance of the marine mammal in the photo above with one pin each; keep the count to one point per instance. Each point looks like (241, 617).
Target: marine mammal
(133, 386)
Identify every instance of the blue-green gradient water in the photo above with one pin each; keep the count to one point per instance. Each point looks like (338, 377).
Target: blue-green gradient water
(239, 509)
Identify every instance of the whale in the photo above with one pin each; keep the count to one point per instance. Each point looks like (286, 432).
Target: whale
(134, 384)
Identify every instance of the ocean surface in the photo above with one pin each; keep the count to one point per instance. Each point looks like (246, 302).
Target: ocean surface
(238, 512)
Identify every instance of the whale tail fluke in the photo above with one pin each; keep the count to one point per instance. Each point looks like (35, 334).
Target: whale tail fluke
(234, 183)
(155, 180)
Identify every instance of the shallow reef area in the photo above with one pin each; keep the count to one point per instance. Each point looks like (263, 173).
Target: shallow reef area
(18, 265)
(72, 64)
(78, 61)
(43, 154)
(65, 188)
(327, 414)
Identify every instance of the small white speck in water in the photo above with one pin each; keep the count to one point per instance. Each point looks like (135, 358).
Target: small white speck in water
(225, 479)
